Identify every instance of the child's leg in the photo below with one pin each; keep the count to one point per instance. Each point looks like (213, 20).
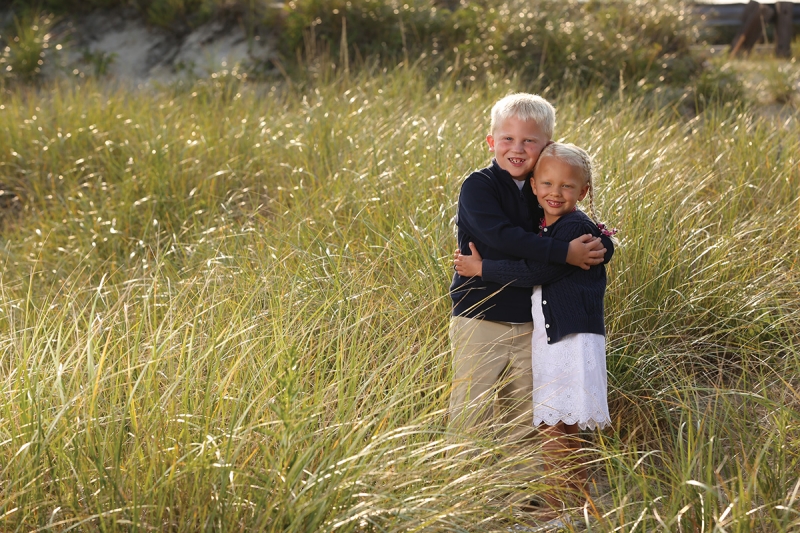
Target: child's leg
(514, 409)
(478, 361)
(514, 414)
(561, 449)
(555, 450)
(579, 478)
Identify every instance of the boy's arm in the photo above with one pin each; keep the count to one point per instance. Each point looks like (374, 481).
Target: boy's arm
(527, 273)
(482, 216)
(523, 273)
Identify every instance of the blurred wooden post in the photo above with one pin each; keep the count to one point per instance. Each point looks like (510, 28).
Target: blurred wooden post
(783, 29)
(754, 19)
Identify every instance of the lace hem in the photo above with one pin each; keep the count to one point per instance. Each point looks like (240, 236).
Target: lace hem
(598, 421)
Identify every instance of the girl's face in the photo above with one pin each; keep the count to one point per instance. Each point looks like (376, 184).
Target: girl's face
(559, 187)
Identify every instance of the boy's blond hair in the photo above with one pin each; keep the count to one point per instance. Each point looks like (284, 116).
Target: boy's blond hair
(525, 106)
(577, 158)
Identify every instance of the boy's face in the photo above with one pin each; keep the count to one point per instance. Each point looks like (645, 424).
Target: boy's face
(516, 145)
(558, 186)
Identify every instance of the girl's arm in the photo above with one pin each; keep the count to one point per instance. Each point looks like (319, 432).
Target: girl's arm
(522, 273)
(609, 246)
(527, 273)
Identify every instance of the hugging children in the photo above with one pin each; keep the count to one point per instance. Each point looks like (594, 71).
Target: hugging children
(509, 363)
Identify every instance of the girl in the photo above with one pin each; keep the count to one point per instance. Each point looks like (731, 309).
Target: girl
(569, 366)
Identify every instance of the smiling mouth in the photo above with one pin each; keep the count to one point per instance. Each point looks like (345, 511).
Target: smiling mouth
(516, 160)
(554, 204)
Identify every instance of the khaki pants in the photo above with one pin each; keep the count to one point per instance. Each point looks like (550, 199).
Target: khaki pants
(493, 382)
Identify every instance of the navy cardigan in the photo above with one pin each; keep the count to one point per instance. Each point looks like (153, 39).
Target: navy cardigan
(572, 298)
(502, 222)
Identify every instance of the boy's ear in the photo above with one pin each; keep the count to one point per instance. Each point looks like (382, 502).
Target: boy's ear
(490, 141)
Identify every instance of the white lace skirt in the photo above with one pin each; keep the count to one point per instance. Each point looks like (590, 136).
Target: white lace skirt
(569, 376)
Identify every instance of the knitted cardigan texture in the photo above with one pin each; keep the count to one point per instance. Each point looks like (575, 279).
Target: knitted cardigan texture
(572, 299)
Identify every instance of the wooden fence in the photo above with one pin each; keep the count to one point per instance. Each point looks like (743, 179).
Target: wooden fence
(731, 14)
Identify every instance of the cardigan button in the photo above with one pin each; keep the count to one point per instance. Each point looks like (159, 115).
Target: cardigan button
(544, 302)
(548, 339)
(547, 325)
(545, 229)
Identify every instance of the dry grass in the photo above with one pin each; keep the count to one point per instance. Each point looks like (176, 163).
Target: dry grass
(224, 307)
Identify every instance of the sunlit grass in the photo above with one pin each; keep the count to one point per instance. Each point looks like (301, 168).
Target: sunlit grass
(224, 307)
(771, 81)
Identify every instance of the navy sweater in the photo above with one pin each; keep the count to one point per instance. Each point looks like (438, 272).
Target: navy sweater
(572, 299)
(499, 219)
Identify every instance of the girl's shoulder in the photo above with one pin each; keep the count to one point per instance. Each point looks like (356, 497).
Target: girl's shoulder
(576, 221)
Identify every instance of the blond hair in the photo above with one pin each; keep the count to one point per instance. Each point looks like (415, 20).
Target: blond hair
(577, 158)
(525, 106)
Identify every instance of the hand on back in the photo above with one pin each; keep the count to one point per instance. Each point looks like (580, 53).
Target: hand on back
(586, 251)
(468, 265)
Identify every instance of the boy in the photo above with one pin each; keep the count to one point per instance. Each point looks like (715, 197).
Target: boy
(491, 325)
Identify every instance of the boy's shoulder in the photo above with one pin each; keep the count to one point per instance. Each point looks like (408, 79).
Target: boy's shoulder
(487, 172)
(487, 176)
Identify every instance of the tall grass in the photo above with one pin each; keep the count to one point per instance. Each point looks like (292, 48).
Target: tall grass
(224, 308)
(560, 43)
(25, 47)
(563, 43)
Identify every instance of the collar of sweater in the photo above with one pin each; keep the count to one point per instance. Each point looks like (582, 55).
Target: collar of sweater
(568, 216)
(503, 175)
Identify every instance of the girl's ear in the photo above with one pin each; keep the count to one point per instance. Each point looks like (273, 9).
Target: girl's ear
(583, 192)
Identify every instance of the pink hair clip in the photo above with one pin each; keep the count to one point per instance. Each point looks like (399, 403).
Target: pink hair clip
(608, 232)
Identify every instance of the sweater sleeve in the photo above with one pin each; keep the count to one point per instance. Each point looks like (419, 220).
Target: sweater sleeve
(609, 245)
(523, 273)
(527, 273)
(582, 225)
(481, 215)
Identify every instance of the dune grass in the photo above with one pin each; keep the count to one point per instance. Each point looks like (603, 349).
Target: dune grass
(223, 306)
